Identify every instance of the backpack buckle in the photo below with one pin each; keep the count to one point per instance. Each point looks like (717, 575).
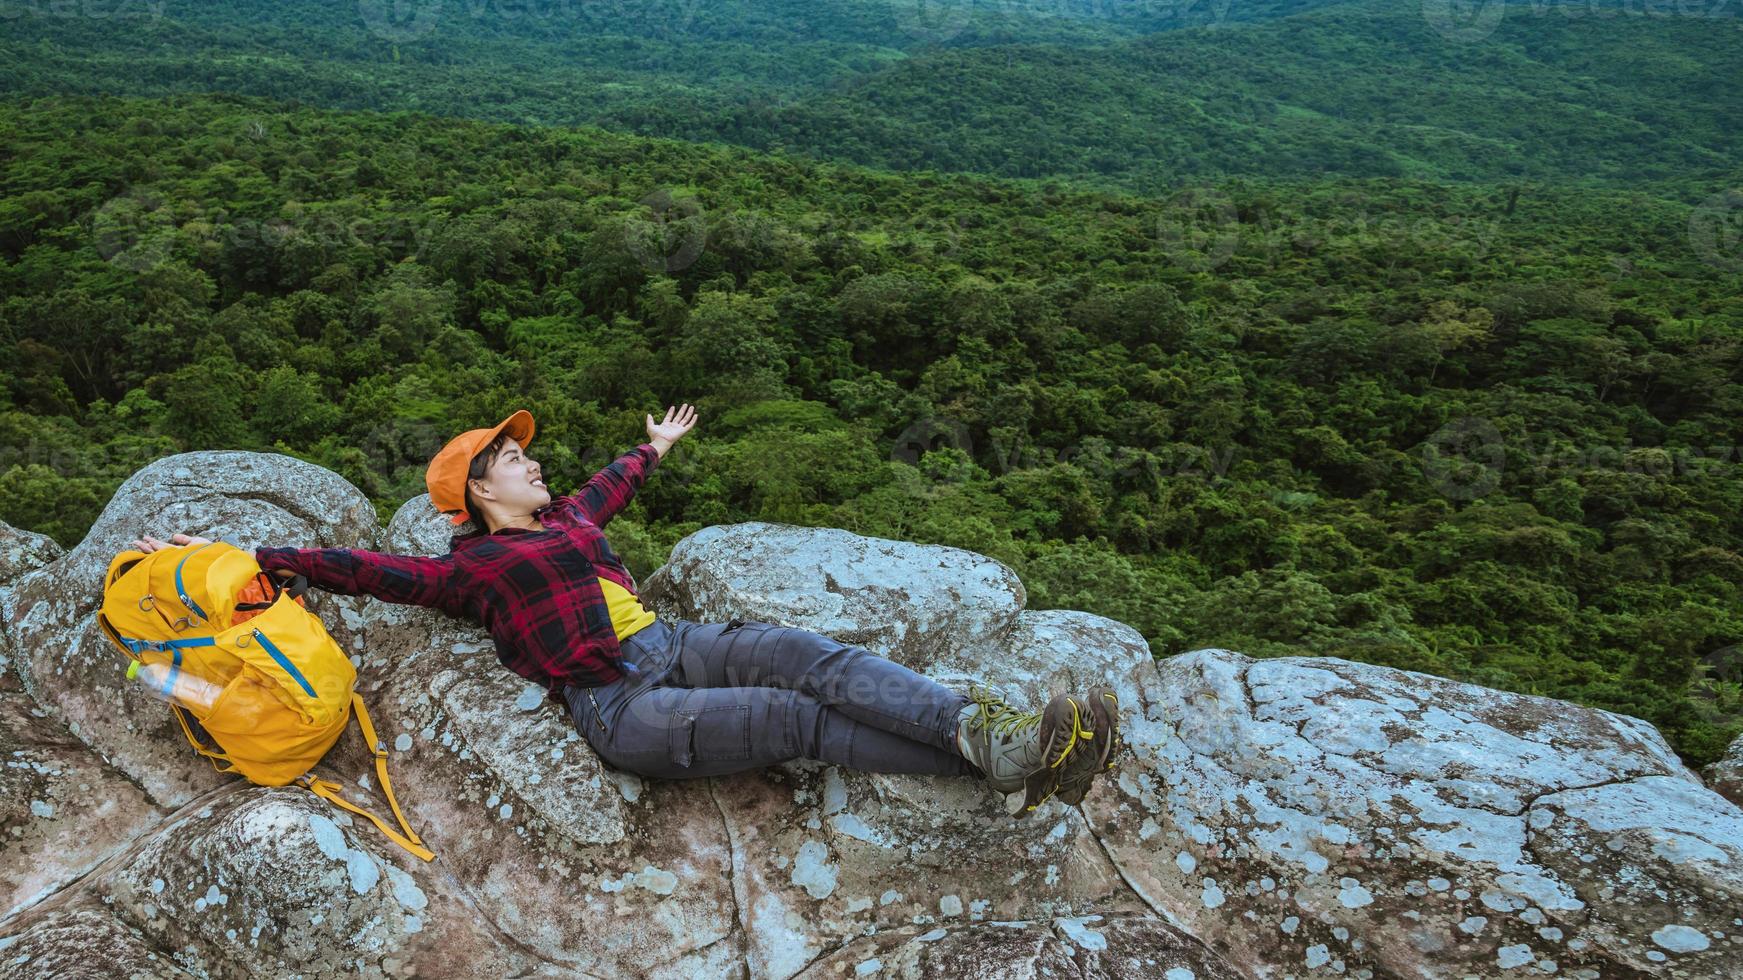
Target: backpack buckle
(147, 602)
(380, 749)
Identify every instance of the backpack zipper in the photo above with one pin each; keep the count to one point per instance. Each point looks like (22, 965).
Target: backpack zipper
(284, 661)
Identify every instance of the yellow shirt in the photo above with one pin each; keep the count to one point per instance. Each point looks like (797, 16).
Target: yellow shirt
(626, 609)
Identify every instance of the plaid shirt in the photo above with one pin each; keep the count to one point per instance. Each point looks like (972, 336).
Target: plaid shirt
(537, 592)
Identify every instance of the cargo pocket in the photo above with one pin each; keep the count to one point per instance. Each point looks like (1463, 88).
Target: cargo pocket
(710, 734)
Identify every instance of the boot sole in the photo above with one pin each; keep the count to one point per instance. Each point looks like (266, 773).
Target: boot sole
(1063, 738)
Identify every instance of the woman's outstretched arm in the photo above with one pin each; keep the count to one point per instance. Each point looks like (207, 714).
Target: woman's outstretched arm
(612, 488)
(352, 571)
(405, 579)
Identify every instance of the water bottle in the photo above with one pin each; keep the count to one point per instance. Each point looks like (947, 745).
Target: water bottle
(167, 682)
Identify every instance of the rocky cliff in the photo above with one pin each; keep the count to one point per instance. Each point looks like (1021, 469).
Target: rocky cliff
(1277, 818)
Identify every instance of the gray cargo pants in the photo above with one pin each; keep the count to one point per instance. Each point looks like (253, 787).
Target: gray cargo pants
(705, 699)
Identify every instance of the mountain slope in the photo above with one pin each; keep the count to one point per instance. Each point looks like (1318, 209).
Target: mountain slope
(1366, 88)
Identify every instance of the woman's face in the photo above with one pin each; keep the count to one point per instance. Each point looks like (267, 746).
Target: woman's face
(513, 483)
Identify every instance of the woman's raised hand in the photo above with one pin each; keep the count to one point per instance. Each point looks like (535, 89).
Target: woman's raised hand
(148, 544)
(677, 422)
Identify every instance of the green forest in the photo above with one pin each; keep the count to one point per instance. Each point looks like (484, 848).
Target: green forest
(1463, 403)
(1120, 94)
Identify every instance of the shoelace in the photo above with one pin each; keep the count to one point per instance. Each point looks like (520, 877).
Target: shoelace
(996, 715)
(1003, 719)
(1077, 732)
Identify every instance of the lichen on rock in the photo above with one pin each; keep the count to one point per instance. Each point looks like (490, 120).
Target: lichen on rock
(1288, 817)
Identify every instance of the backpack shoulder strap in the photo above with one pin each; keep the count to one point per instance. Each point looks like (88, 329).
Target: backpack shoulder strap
(329, 790)
(213, 755)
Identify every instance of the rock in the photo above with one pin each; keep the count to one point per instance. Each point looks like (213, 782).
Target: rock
(1726, 775)
(257, 881)
(62, 810)
(70, 669)
(1122, 946)
(816, 849)
(20, 552)
(874, 592)
(417, 528)
(1316, 813)
(820, 855)
(81, 941)
(590, 872)
(1293, 817)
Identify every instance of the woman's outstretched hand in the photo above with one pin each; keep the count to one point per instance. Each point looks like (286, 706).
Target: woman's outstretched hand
(677, 422)
(148, 544)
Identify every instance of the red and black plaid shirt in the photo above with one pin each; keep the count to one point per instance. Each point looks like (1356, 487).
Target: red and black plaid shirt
(537, 592)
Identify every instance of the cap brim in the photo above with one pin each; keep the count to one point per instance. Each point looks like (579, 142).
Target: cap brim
(519, 427)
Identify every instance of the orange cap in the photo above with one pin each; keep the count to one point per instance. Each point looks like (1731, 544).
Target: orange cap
(446, 476)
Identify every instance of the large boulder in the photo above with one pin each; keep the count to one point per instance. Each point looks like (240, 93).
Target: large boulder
(800, 857)
(1275, 818)
(70, 669)
(874, 592)
(62, 809)
(1313, 816)
(80, 940)
(20, 552)
(1726, 775)
(249, 881)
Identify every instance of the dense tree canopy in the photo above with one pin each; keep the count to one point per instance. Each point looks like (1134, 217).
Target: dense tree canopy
(1129, 94)
(1484, 431)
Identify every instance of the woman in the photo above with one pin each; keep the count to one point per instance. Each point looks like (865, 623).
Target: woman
(686, 699)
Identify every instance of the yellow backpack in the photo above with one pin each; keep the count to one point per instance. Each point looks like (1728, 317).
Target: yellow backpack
(287, 687)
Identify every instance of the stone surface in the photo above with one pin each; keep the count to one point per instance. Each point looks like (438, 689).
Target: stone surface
(20, 552)
(1292, 817)
(81, 941)
(62, 810)
(1115, 946)
(875, 592)
(1314, 816)
(268, 882)
(1726, 775)
(70, 669)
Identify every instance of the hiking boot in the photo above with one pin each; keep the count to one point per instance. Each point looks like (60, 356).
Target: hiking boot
(1018, 750)
(1097, 757)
